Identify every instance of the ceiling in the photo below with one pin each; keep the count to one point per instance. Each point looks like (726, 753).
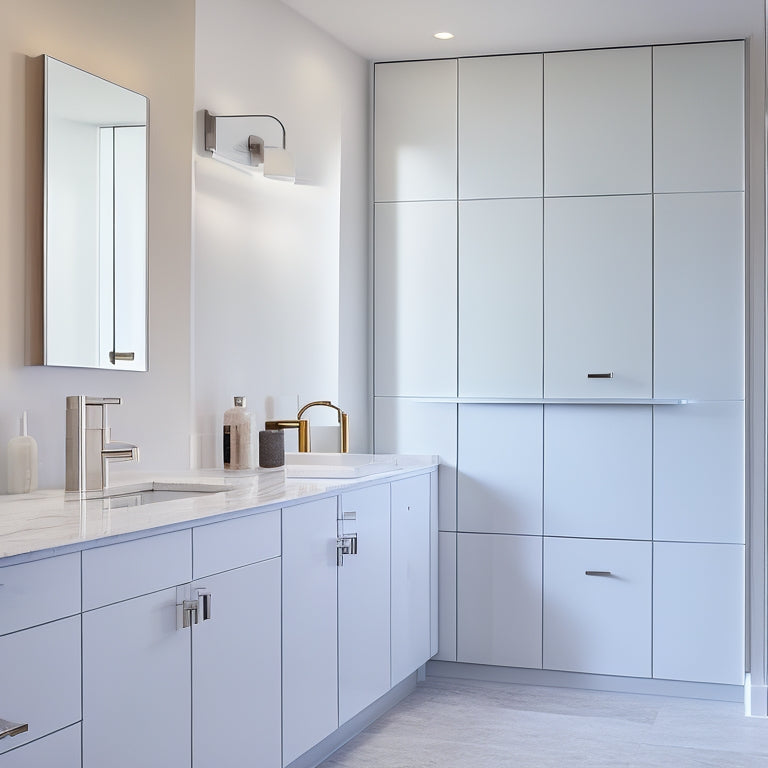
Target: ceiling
(402, 29)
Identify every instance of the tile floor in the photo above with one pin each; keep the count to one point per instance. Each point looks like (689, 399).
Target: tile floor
(464, 724)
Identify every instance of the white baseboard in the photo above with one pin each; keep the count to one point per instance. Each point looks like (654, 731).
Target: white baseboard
(755, 699)
(679, 688)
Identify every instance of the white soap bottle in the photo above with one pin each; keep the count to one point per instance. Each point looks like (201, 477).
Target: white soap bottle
(237, 437)
(22, 461)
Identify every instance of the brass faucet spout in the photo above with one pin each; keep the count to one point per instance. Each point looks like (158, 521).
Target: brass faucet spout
(301, 424)
(343, 421)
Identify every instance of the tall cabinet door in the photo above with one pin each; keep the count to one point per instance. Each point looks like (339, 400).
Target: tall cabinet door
(500, 298)
(597, 122)
(415, 299)
(235, 678)
(364, 643)
(136, 680)
(698, 117)
(699, 296)
(415, 129)
(310, 682)
(411, 574)
(598, 297)
(500, 126)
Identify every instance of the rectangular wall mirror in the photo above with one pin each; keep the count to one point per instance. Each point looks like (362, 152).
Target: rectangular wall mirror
(94, 281)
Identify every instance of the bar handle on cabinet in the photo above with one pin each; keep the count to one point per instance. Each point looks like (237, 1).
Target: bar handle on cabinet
(114, 356)
(205, 599)
(608, 375)
(345, 545)
(598, 573)
(7, 728)
(190, 610)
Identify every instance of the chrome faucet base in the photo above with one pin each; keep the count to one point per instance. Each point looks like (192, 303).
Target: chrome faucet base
(89, 449)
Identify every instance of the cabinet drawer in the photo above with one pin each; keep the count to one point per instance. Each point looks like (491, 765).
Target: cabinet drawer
(233, 543)
(34, 593)
(59, 750)
(597, 606)
(121, 571)
(40, 679)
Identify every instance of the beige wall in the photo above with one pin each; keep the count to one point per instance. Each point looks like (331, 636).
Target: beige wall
(280, 270)
(147, 46)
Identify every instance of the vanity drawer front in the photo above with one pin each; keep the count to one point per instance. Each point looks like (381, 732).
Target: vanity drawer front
(122, 571)
(231, 544)
(40, 591)
(59, 750)
(597, 606)
(40, 679)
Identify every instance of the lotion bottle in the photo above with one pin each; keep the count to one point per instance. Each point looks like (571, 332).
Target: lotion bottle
(237, 437)
(22, 461)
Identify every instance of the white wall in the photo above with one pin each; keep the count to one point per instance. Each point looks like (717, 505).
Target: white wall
(280, 270)
(146, 46)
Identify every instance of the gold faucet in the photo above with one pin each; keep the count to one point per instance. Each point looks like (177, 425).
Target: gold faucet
(343, 421)
(301, 424)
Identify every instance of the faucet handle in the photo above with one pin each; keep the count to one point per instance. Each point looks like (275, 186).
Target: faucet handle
(103, 400)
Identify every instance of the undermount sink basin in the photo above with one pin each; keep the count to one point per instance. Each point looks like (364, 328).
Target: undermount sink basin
(153, 493)
(337, 465)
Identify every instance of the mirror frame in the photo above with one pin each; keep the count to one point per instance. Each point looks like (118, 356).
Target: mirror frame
(36, 218)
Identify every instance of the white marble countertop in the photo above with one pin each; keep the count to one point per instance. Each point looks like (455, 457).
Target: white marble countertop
(45, 523)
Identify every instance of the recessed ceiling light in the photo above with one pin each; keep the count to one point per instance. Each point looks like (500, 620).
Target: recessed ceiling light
(443, 35)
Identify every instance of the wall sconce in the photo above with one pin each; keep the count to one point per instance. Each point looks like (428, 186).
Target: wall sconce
(250, 141)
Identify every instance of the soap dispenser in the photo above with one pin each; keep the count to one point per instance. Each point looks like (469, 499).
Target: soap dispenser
(237, 437)
(22, 461)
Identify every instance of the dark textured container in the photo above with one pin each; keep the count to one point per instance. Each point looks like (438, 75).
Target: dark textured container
(271, 448)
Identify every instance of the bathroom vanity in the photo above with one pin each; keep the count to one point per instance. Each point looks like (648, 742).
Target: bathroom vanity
(262, 625)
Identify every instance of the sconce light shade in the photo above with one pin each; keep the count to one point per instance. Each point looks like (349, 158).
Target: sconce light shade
(233, 140)
(278, 164)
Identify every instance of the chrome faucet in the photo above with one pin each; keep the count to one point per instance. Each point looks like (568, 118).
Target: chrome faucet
(89, 449)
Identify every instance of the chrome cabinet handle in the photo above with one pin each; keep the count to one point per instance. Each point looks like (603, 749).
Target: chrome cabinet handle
(205, 600)
(598, 573)
(121, 356)
(345, 545)
(600, 375)
(189, 610)
(7, 728)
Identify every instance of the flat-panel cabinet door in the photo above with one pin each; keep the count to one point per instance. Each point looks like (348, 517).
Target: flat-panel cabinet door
(446, 596)
(406, 426)
(699, 296)
(597, 606)
(40, 678)
(310, 670)
(235, 669)
(410, 576)
(598, 471)
(598, 297)
(698, 472)
(500, 298)
(500, 469)
(597, 122)
(698, 612)
(364, 642)
(136, 680)
(500, 126)
(698, 117)
(415, 299)
(415, 130)
(59, 750)
(499, 600)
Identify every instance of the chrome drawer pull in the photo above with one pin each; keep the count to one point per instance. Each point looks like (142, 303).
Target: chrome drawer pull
(206, 601)
(600, 375)
(598, 573)
(7, 728)
(113, 356)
